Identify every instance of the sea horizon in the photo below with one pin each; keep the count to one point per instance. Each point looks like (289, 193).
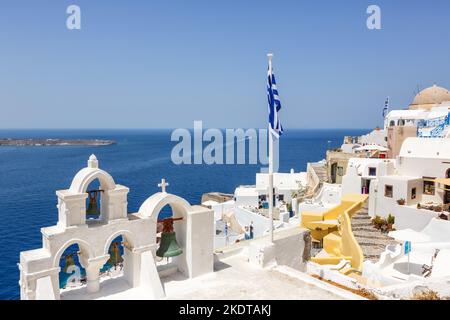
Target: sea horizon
(150, 129)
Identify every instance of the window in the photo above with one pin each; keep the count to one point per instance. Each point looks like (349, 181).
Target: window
(281, 197)
(401, 122)
(413, 193)
(392, 123)
(372, 171)
(428, 186)
(388, 191)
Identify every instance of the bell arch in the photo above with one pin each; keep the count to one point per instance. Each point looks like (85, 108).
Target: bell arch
(109, 196)
(84, 246)
(127, 236)
(86, 176)
(180, 209)
(153, 205)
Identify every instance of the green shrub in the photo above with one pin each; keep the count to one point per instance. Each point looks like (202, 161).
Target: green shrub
(289, 207)
(378, 222)
(390, 219)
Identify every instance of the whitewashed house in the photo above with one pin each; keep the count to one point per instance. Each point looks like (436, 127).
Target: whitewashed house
(361, 171)
(414, 188)
(285, 185)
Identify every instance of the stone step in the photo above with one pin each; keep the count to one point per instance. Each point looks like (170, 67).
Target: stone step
(373, 252)
(361, 217)
(372, 244)
(321, 172)
(364, 228)
(370, 237)
(361, 223)
(373, 241)
(369, 231)
(373, 258)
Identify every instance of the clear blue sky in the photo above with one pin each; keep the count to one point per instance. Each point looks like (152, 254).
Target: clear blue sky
(164, 64)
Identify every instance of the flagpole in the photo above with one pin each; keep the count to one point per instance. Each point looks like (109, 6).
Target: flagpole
(270, 136)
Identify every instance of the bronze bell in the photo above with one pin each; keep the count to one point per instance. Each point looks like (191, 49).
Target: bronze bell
(69, 261)
(169, 246)
(114, 256)
(93, 209)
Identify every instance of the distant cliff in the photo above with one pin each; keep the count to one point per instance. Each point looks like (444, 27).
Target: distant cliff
(55, 142)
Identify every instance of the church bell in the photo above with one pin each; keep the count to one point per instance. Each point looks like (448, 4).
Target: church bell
(114, 256)
(169, 246)
(93, 209)
(69, 262)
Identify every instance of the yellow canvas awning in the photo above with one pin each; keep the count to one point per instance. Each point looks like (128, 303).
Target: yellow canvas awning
(445, 181)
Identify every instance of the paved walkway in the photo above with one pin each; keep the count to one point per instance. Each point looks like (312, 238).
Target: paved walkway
(235, 278)
(372, 241)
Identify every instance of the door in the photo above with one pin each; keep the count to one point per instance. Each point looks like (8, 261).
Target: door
(333, 172)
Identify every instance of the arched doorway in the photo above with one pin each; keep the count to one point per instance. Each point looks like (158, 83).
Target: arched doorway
(333, 172)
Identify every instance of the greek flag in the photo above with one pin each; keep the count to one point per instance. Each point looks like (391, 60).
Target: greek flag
(274, 106)
(386, 107)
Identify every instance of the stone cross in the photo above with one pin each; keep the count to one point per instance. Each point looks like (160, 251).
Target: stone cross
(163, 185)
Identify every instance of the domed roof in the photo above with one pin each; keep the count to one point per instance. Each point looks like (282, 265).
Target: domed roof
(428, 97)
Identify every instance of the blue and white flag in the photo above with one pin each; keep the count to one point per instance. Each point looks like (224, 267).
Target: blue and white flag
(274, 106)
(386, 107)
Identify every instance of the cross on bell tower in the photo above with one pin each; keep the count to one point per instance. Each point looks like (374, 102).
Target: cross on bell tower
(163, 185)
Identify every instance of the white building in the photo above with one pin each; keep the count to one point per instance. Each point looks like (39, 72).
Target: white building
(426, 116)
(430, 103)
(285, 185)
(361, 171)
(414, 188)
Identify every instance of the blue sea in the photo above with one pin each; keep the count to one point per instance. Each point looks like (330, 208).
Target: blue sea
(29, 177)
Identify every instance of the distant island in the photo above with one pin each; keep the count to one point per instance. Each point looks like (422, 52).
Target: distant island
(55, 142)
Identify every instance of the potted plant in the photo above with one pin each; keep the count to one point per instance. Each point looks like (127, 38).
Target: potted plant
(289, 208)
(401, 201)
(377, 222)
(390, 222)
